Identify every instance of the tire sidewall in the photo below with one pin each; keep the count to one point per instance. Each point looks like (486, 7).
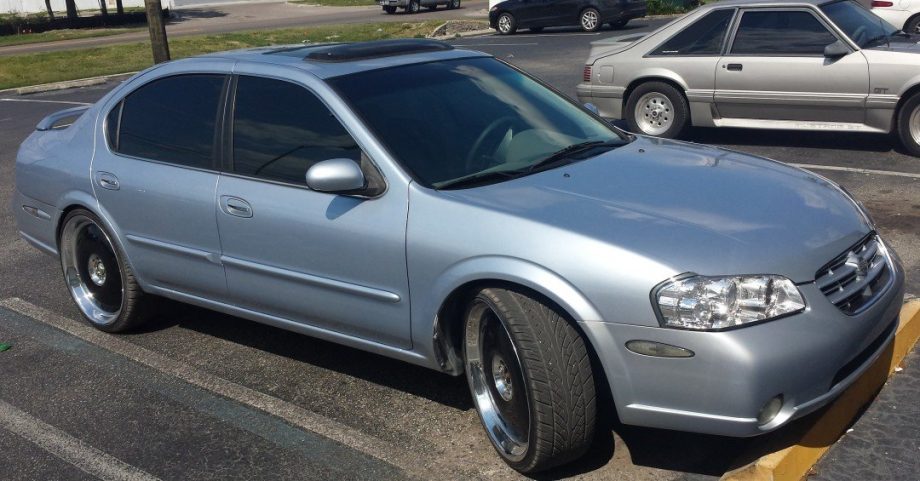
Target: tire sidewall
(681, 109)
(903, 126)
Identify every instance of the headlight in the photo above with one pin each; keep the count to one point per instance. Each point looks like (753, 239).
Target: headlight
(704, 303)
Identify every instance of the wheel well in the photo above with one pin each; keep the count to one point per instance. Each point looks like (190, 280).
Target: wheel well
(914, 90)
(910, 19)
(636, 83)
(448, 331)
(60, 224)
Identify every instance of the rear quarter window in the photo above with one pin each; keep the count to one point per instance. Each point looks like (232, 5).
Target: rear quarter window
(703, 37)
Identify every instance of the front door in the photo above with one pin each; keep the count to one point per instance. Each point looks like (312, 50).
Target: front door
(775, 69)
(155, 178)
(320, 259)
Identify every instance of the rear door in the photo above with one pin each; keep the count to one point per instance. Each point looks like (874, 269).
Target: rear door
(775, 69)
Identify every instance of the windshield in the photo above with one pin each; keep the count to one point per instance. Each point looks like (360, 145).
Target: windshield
(453, 120)
(862, 26)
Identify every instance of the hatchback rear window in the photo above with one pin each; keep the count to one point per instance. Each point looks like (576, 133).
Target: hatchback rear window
(703, 37)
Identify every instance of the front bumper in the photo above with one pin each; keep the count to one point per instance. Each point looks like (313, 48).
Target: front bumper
(808, 358)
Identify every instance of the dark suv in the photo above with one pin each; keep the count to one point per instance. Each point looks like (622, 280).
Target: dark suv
(506, 17)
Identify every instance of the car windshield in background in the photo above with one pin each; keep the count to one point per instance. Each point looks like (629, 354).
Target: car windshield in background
(862, 26)
(459, 122)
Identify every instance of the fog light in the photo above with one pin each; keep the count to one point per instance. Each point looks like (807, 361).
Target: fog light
(770, 410)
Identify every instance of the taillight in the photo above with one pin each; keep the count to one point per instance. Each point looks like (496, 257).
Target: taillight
(882, 3)
(587, 74)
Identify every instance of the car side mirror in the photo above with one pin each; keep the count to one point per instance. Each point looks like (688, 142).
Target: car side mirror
(836, 50)
(592, 108)
(336, 176)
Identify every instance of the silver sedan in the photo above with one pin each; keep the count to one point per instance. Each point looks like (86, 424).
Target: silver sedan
(767, 64)
(440, 207)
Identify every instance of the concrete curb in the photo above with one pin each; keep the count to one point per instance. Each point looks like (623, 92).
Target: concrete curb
(795, 462)
(67, 84)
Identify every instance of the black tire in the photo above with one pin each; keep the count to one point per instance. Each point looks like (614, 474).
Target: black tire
(912, 26)
(413, 6)
(590, 20)
(679, 115)
(389, 10)
(452, 4)
(555, 370)
(134, 306)
(506, 28)
(619, 24)
(535, 29)
(909, 119)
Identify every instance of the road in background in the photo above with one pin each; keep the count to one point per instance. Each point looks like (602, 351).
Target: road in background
(162, 425)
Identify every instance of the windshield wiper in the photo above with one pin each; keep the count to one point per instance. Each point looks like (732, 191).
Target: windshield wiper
(480, 178)
(569, 151)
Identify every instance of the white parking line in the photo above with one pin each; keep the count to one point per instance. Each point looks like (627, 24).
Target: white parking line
(68, 448)
(414, 464)
(46, 101)
(857, 170)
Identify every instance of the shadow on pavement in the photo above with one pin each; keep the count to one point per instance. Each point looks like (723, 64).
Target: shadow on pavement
(859, 141)
(180, 16)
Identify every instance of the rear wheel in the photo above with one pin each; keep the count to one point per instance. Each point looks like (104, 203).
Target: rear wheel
(506, 25)
(97, 276)
(413, 6)
(531, 380)
(389, 10)
(590, 20)
(452, 4)
(658, 109)
(909, 124)
(913, 25)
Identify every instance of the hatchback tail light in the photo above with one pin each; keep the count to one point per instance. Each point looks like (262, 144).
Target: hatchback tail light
(881, 3)
(587, 74)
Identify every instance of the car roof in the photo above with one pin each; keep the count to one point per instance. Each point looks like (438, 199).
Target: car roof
(326, 60)
(764, 3)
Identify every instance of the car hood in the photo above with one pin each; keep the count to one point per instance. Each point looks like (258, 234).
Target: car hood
(690, 207)
(901, 44)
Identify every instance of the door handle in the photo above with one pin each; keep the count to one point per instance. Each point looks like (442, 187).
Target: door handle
(735, 67)
(107, 181)
(235, 206)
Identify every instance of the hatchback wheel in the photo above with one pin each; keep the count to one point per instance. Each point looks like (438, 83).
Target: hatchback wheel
(506, 24)
(590, 20)
(658, 109)
(99, 280)
(531, 381)
(909, 124)
(413, 6)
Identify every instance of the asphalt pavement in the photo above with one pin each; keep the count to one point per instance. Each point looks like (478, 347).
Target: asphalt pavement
(198, 394)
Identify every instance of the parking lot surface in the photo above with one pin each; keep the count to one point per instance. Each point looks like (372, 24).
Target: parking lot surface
(202, 395)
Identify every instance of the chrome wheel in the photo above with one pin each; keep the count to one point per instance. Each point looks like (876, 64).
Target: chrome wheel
(497, 381)
(654, 113)
(413, 6)
(914, 124)
(504, 23)
(589, 19)
(91, 270)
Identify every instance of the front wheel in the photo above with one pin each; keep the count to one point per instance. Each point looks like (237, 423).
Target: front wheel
(531, 381)
(413, 6)
(98, 276)
(590, 20)
(909, 124)
(913, 25)
(658, 109)
(389, 10)
(506, 24)
(452, 4)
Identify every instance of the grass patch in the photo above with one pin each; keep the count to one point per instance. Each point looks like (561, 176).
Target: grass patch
(45, 67)
(671, 7)
(65, 34)
(336, 3)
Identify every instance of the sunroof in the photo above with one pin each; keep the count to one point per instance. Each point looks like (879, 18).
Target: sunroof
(381, 48)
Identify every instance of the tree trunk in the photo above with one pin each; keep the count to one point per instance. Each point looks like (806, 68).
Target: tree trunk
(119, 7)
(103, 8)
(71, 9)
(158, 39)
(50, 10)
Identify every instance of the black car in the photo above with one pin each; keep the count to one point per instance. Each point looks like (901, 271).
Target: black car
(506, 17)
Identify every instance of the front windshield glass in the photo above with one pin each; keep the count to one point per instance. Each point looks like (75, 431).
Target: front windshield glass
(468, 118)
(862, 26)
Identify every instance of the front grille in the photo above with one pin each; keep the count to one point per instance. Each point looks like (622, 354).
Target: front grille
(855, 279)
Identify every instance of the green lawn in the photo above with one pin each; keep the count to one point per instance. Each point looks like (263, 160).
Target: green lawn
(65, 34)
(336, 3)
(45, 67)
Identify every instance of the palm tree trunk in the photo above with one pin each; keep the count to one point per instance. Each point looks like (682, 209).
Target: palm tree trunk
(71, 9)
(50, 10)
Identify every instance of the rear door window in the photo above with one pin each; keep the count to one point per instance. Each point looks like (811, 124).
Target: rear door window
(703, 37)
(172, 120)
(781, 33)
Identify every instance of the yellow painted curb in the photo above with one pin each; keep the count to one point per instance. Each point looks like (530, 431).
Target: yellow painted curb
(793, 463)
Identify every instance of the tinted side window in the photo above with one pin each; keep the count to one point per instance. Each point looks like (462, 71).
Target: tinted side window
(172, 120)
(111, 126)
(781, 33)
(281, 129)
(703, 37)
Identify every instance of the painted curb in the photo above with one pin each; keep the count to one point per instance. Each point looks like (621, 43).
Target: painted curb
(794, 463)
(67, 84)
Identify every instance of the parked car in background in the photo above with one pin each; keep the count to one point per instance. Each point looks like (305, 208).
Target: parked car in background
(508, 16)
(770, 64)
(413, 6)
(904, 14)
(441, 207)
